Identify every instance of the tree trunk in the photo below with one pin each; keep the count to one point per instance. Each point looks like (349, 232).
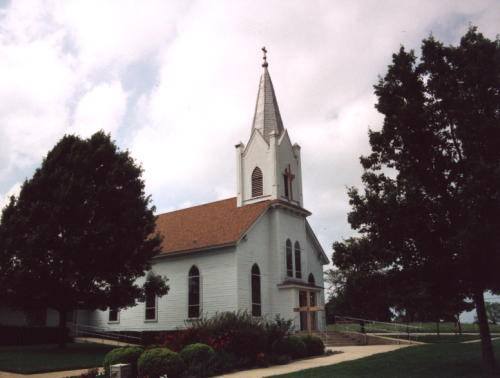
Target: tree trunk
(437, 328)
(484, 330)
(459, 327)
(62, 327)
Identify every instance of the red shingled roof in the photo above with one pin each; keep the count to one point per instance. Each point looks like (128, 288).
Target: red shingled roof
(214, 224)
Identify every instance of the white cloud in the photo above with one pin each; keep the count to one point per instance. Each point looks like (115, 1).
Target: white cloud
(101, 108)
(36, 82)
(14, 190)
(65, 66)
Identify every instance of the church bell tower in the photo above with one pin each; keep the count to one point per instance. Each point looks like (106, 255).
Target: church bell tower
(268, 167)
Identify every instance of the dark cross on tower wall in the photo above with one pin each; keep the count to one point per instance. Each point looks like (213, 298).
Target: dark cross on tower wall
(264, 57)
(289, 178)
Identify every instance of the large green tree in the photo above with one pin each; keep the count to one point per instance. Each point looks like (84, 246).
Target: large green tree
(368, 285)
(80, 233)
(359, 286)
(431, 194)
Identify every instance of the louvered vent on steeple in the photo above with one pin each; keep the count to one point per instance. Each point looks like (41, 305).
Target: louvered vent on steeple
(257, 182)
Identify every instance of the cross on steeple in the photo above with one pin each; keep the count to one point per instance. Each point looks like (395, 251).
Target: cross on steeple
(289, 177)
(264, 57)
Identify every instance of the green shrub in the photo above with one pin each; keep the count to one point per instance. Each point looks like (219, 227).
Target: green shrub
(277, 329)
(262, 360)
(198, 358)
(223, 362)
(236, 332)
(292, 346)
(160, 361)
(314, 345)
(125, 355)
(280, 360)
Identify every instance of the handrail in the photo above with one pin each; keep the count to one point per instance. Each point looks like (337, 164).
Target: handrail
(88, 330)
(402, 325)
(373, 326)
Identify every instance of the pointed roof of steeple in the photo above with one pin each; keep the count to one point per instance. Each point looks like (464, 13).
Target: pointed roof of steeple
(267, 117)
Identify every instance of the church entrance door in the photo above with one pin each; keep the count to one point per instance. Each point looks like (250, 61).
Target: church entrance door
(308, 309)
(303, 314)
(312, 303)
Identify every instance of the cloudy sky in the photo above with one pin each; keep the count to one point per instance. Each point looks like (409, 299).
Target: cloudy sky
(176, 82)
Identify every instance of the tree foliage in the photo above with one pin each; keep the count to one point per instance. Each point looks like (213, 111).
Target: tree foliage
(80, 232)
(431, 194)
(493, 311)
(359, 287)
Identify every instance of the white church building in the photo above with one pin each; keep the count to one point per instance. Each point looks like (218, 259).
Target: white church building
(255, 252)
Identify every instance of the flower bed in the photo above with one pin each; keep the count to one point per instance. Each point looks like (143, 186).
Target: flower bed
(223, 343)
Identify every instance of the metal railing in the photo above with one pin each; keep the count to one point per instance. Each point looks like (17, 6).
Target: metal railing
(352, 324)
(82, 330)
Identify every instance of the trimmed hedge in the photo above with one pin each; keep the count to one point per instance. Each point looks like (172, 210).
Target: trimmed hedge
(125, 355)
(15, 335)
(156, 362)
(198, 358)
(314, 345)
(292, 346)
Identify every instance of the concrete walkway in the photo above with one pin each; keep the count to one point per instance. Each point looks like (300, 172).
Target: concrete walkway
(349, 353)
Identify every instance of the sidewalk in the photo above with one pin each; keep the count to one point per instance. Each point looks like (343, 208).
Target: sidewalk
(349, 353)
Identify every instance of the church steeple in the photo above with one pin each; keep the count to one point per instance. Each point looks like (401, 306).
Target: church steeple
(267, 117)
(268, 167)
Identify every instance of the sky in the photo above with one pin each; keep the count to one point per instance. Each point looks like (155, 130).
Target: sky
(175, 83)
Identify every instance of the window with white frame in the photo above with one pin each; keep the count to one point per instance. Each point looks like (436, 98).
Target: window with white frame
(256, 298)
(113, 315)
(194, 292)
(298, 261)
(150, 306)
(289, 258)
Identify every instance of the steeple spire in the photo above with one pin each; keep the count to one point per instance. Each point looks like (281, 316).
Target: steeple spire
(267, 118)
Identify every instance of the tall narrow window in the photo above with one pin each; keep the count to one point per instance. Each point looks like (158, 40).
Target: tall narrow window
(256, 300)
(113, 315)
(194, 292)
(311, 279)
(150, 313)
(257, 182)
(289, 258)
(298, 262)
(285, 185)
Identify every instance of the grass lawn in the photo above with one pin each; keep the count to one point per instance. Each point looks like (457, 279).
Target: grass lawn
(422, 327)
(43, 358)
(433, 360)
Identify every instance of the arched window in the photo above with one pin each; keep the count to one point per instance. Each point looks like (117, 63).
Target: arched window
(194, 292)
(257, 182)
(256, 300)
(298, 262)
(311, 279)
(289, 258)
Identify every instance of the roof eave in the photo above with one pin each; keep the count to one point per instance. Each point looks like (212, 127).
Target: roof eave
(317, 243)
